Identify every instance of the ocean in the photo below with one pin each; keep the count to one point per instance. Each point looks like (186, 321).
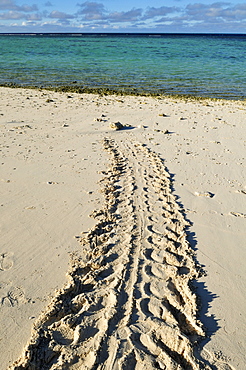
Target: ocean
(206, 65)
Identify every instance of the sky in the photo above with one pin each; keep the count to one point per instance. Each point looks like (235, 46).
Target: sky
(155, 16)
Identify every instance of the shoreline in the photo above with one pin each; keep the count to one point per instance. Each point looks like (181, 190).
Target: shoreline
(128, 91)
(52, 144)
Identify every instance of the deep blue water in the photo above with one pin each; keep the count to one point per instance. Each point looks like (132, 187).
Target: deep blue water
(200, 64)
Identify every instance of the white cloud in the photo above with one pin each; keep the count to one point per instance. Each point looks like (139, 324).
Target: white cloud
(157, 12)
(91, 11)
(29, 23)
(216, 10)
(129, 16)
(12, 15)
(35, 17)
(237, 12)
(20, 15)
(60, 15)
(11, 5)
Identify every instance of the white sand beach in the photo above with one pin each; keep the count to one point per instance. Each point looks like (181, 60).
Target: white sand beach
(103, 231)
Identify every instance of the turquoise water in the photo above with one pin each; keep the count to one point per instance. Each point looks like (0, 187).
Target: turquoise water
(200, 65)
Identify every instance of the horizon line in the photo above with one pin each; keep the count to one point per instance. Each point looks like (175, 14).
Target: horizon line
(121, 33)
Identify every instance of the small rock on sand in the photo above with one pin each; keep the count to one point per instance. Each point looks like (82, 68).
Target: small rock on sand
(116, 125)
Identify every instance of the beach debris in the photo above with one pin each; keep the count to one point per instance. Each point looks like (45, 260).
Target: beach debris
(182, 118)
(163, 115)
(238, 214)
(101, 119)
(116, 125)
(241, 191)
(166, 132)
(6, 261)
(3, 180)
(206, 194)
(52, 183)
(49, 100)
(22, 127)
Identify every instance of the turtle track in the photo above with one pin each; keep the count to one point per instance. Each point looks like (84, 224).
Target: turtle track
(128, 302)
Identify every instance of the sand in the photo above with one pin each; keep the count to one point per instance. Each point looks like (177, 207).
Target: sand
(121, 248)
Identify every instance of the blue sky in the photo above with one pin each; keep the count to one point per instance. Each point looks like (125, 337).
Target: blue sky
(203, 16)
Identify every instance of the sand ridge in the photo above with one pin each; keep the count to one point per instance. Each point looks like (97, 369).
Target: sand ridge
(128, 301)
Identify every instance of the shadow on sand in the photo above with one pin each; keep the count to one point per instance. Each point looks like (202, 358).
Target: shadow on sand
(204, 296)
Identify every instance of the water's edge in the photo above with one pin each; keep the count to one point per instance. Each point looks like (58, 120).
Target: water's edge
(104, 91)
